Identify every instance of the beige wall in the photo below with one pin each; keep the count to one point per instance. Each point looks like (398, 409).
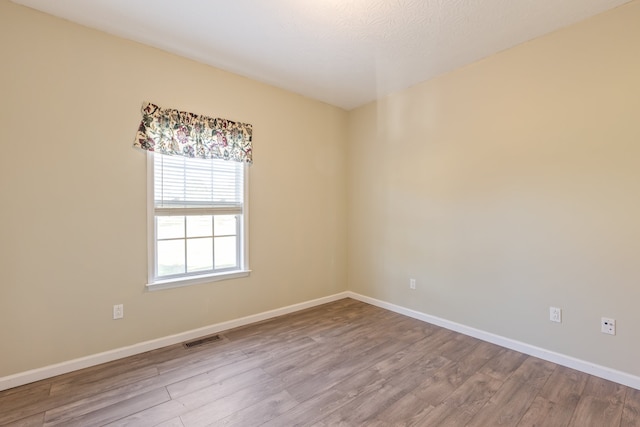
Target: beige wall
(73, 192)
(508, 186)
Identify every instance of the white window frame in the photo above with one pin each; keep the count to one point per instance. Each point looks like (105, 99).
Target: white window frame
(155, 283)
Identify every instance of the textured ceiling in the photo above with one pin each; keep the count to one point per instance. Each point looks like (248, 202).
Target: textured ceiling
(343, 52)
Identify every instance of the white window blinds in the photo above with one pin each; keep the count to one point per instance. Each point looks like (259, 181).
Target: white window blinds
(193, 186)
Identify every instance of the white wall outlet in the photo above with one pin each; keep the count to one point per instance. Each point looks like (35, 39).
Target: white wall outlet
(608, 326)
(118, 311)
(555, 314)
(412, 283)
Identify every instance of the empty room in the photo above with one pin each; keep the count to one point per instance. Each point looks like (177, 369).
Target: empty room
(320, 213)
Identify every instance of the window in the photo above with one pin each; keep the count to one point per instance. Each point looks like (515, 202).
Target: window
(197, 203)
(197, 220)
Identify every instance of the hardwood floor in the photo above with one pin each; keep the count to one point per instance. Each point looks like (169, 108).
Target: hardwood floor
(340, 364)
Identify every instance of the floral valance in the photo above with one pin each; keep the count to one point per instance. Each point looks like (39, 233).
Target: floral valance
(186, 134)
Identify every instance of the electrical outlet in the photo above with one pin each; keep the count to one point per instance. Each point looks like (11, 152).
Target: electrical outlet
(118, 311)
(555, 314)
(412, 283)
(608, 326)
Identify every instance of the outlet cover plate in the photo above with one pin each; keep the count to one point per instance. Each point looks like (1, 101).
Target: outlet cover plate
(608, 326)
(118, 311)
(555, 314)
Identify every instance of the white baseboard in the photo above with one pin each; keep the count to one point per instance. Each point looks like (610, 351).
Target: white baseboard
(107, 356)
(118, 353)
(541, 353)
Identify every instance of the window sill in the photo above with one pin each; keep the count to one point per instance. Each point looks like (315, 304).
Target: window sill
(194, 280)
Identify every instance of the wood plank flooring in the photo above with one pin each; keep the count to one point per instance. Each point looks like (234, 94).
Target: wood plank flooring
(340, 364)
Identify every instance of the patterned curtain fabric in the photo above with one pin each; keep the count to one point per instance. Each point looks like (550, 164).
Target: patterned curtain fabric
(186, 134)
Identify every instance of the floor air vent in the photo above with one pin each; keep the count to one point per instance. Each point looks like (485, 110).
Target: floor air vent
(202, 341)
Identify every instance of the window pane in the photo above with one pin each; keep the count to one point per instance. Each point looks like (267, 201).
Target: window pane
(226, 253)
(199, 254)
(170, 257)
(199, 226)
(170, 227)
(225, 225)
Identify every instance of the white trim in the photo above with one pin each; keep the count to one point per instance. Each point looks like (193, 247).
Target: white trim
(244, 227)
(118, 353)
(541, 353)
(179, 282)
(151, 232)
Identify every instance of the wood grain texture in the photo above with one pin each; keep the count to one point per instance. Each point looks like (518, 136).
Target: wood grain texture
(601, 404)
(631, 412)
(556, 402)
(345, 363)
